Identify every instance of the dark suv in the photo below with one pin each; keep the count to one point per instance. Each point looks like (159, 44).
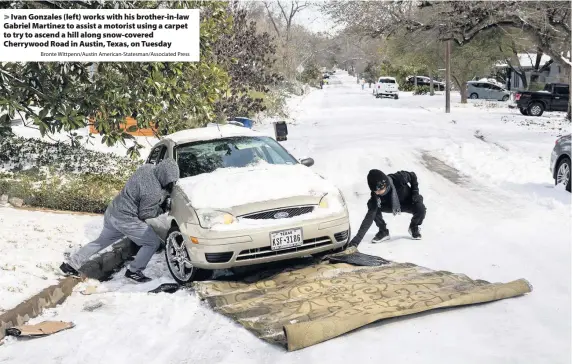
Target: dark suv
(554, 97)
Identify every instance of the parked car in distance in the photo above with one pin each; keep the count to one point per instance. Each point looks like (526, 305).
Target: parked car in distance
(425, 81)
(386, 86)
(486, 91)
(554, 97)
(560, 161)
(242, 199)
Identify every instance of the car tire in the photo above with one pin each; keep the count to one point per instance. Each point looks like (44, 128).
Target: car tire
(175, 254)
(396, 97)
(474, 96)
(563, 173)
(536, 109)
(505, 98)
(523, 111)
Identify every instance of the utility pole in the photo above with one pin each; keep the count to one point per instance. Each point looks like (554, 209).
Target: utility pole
(448, 77)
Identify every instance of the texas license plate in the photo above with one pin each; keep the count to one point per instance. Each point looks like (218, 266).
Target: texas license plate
(285, 239)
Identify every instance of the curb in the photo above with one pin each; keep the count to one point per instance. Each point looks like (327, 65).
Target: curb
(43, 209)
(33, 307)
(100, 267)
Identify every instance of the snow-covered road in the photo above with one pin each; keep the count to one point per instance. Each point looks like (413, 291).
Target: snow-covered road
(492, 213)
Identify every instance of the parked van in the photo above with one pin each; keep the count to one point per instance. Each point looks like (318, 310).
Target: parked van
(486, 91)
(386, 86)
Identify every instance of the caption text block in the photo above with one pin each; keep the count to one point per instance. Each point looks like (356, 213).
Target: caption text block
(125, 35)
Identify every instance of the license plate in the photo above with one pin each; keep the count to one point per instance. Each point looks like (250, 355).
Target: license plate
(285, 239)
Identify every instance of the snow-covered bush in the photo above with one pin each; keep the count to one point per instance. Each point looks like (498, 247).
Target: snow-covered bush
(20, 154)
(61, 177)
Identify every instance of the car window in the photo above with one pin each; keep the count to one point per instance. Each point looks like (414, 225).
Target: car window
(235, 152)
(561, 90)
(155, 154)
(496, 88)
(386, 80)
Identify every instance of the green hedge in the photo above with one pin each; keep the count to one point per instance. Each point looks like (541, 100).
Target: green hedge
(83, 193)
(407, 87)
(421, 90)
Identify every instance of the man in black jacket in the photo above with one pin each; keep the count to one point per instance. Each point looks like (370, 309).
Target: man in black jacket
(391, 193)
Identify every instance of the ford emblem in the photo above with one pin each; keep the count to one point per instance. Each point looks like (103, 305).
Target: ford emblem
(281, 215)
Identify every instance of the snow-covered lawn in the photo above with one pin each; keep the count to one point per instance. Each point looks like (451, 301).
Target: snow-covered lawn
(492, 213)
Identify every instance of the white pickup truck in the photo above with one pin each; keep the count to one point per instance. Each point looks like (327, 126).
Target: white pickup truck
(386, 86)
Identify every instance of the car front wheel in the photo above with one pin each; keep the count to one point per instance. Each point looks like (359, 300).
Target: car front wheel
(563, 173)
(505, 98)
(474, 96)
(178, 259)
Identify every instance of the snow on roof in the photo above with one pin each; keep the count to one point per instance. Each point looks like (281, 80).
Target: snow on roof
(527, 60)
(490, 80)
(210, 132)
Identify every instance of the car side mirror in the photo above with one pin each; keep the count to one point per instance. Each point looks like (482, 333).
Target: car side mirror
(308, 162)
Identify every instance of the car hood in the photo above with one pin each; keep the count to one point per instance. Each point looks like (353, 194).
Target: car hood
(227, 188)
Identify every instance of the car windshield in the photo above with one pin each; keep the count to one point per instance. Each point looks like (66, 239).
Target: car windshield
(207, 156)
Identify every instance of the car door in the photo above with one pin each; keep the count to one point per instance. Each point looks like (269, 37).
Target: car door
(495, 92)
(485, 91)
(560, 98)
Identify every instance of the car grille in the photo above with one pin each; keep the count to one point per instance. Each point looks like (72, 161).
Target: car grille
(341, 236)
(271, 214)
(218, 257)
(267, 251)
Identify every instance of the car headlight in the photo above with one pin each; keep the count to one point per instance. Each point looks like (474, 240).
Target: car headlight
(209, 218)
(333, 201)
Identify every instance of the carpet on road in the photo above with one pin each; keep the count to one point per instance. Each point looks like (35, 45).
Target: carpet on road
(306, 304)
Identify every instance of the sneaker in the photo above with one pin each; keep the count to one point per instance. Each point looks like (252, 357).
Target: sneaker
(68, 270)
(414, 232)
(138, 276)
(382, 235)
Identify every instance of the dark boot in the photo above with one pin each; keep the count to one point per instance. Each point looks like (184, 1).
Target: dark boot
(138, 277)
(68, 270)
(414, 232)
(382, 235)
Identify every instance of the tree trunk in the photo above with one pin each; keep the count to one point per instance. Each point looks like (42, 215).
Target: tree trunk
(431, 86)
(462, 89)
(463, 93)
(448, 77)
(522, 76)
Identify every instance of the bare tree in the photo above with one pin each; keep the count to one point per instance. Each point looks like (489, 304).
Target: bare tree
(286, 13)
(546, 23)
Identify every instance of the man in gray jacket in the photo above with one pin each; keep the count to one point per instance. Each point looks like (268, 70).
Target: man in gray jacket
(143, 197)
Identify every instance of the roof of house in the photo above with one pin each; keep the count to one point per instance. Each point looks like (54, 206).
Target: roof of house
(527, 60)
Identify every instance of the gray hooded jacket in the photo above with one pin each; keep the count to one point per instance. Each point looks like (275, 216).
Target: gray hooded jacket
(144, 192)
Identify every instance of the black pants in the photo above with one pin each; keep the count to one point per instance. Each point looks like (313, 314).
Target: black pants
(417, 209)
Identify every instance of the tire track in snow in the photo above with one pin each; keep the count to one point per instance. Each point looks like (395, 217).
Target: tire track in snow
(482, 196)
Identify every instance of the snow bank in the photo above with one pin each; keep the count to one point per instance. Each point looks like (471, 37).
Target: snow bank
(33, 245)
(228, 187)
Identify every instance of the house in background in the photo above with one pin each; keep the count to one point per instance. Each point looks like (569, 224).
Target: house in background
(543, 70)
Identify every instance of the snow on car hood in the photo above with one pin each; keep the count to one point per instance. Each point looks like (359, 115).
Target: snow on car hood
(229, 187)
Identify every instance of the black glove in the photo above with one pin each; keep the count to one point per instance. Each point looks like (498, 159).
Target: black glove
(166, 204)
(417, 198)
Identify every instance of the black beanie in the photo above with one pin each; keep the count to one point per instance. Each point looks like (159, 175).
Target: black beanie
(374, 176)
